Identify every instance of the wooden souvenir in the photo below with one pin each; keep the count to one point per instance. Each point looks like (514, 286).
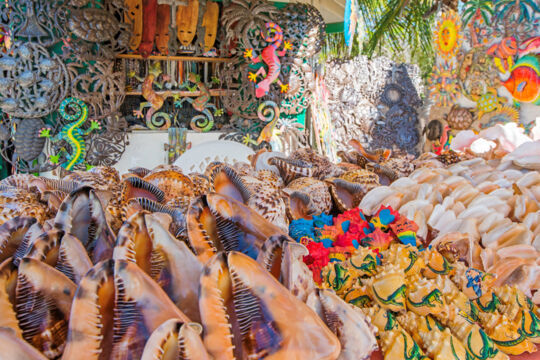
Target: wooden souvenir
(162, 34)
(177, 143)
(134, 15)
(210, 24)
(187, 18)
(149, 27)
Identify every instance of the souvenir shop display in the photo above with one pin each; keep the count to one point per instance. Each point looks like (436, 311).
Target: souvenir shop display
(305, 207)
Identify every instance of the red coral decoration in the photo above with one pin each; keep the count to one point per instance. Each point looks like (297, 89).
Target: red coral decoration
(378, 240)
(317, 259)
(341, 252)
(354, 215)
(331, 232)
(351, 230)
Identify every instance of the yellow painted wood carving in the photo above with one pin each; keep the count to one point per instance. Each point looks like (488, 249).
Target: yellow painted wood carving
(210, 23)
(186, 20)
(134, 15)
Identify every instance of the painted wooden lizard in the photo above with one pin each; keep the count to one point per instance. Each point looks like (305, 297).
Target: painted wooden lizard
(71, 133)
(270, 56)
(154, 119)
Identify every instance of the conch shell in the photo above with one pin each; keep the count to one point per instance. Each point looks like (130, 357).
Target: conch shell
(424, 298)
(246, 312)
(175, 340)
(350, 325)
(14, 347)
(389, 288)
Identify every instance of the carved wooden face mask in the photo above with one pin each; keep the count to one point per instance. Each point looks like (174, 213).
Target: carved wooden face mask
(187, 18)
(210, 24)
(134, 15)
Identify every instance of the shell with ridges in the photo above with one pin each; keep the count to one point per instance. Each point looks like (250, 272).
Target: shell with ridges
(389, 287)
(442, 345)
(471, 335)
(424, 298)
(507, 336)
(406, 257)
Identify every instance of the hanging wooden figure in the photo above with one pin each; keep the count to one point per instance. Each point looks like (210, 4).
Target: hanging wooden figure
(149, 27)
(134, 16)
(187, 18)
(162, 33)
(210, 24)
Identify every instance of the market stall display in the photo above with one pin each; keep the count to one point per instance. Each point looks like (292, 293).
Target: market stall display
(373, 269)
(340, 215)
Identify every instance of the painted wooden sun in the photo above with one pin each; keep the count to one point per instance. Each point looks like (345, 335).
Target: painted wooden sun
(448, 35)
(443, 85)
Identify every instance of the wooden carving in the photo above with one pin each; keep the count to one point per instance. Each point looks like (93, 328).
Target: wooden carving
(210, 24)
(162, 34)
(149, 28)
(186, 19)
(134, 16)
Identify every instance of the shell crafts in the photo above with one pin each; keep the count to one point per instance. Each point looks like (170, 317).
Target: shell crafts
(423, 303)
(284, 257)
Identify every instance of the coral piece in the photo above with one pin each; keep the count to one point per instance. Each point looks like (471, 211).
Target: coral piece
(377, 240)
(405, 230)
(384, 217)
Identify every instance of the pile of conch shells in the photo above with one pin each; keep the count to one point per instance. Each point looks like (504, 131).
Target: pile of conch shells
(158, 264)
(484, 212)
(424, 305)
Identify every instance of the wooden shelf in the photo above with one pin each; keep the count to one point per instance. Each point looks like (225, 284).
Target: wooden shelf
(174, 58)
(183, 93)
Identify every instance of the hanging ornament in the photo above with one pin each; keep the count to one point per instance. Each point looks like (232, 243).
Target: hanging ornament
(443, 84)
(448, 35)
